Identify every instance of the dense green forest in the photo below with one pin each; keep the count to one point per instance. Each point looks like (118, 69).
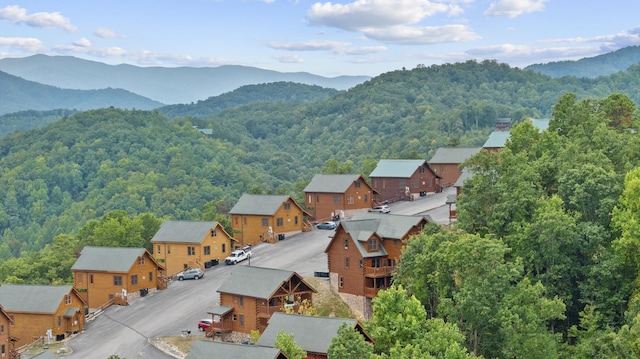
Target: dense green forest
(541, 263)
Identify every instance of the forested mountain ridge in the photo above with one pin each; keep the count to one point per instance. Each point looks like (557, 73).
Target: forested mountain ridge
(22, 95)
(591, 67)
(163, 84)
(281, 92)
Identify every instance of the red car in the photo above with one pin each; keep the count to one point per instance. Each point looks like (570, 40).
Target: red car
(203, 324)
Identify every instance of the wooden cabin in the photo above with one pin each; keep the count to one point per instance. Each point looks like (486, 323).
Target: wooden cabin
(105, 274)
(364, 251)
(255, 293)
(267, 218)
(312, 333)
(446, 163)
(331, 196)
(42, 311)
(396, 180)
(7, 340)
(179, 245)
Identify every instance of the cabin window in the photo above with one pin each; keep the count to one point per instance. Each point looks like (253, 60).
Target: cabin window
(317, 199)
(357, 184)
(375, 262)
(224, 248)
(168, 249)
(3, 350)
(2, 328)
(416, 183)
(79, 278)
(287, 206)
(430, 182)
(244, 220)
(361, 263)
(241, 301)
(366, 198)
(265, 222)
(191, 251)
(67, 299)
(91, 278)
(373, 244)
(336, 199)
(384, 184)
(235, 218)
(346, 242)
(441, 169)
(421, 169)
(117, 280)
(234, 317)
(150, 276)
(346, 262)
(207, 250)
(158, 249)
(140, 260)
(241, 320)
(59, 320)
(214, 233)
(134, 279)
(279, 222)
(402, 183)
(341, 282)
(296, 219)
(349, 199)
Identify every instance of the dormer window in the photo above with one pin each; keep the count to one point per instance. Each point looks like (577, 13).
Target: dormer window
(373, 244)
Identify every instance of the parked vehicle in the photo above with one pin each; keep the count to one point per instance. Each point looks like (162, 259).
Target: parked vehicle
(193, 273)
(203, 324)
(327, 225)
(381, 209)
(238, 255)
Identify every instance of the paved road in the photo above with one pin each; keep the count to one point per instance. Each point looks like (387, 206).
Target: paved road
(126, 331)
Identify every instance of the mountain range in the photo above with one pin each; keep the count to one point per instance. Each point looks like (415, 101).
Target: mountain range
(163, 84)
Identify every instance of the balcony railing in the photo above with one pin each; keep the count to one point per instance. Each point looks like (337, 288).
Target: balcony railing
(265, 311)
(379, 271)
(220, 327)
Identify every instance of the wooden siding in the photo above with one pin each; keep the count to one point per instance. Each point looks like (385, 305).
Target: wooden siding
(450, 172)
(394, 188)
(97, 288)
(176, 256)
(323, 206)
(253, 229)
(6, 328)
(244, 317)
(28, 327)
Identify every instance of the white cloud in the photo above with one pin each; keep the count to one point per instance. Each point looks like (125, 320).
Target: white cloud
(290, 59)
(336, 47)
(83, 42)
(105, 33)
(18, 15)
(366, 14)
(406, 35)
(27, 44)
(514, 8)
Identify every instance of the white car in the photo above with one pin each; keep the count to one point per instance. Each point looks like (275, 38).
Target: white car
(381, 209)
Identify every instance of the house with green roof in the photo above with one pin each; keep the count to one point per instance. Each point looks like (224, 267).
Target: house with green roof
(446, 162)
(54, 311)
(364, 252)
(259, 218)
(316, 341)
(329, 196)
(7, 340)
(179, 245)
(251, 295)
(104, 274)
(205, 349)
(397, 180)
(496, 140)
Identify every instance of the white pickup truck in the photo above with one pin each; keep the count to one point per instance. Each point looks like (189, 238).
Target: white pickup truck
(238, 255)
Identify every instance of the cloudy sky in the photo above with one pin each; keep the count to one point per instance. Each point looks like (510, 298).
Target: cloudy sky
(357, 37)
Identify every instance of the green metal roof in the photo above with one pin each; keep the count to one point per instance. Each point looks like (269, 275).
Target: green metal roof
(31, 298)
(107, 259)
(466, 174)
(208, 349)
(330, 183)
(497, 139)
(397, 168)
(256, 282)
(457, 155)
(183, 231)
(259, 204)
(312, 333)
(540, 123)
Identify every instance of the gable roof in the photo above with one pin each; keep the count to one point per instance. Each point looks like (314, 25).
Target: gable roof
(184, 231)
(260, 204)
(30, 298)
(453, 155)
(108, 259)
(321, 183)
(497, 139)
(316, 340)
(206, 349)
(397, 168)
(257, 282)
(540, 123)
(364, 225)
(464, 175)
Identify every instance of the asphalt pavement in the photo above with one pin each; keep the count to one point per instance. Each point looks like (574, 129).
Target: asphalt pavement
(127, 331)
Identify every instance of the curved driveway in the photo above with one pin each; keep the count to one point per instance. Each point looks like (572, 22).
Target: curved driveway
(126, 331)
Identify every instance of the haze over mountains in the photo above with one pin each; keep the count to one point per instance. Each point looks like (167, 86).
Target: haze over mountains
(163, 84)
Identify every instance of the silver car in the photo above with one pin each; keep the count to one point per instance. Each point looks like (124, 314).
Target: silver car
(193, 273)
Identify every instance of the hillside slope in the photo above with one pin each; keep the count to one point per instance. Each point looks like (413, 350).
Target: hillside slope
(21, 95)
(163, 84)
